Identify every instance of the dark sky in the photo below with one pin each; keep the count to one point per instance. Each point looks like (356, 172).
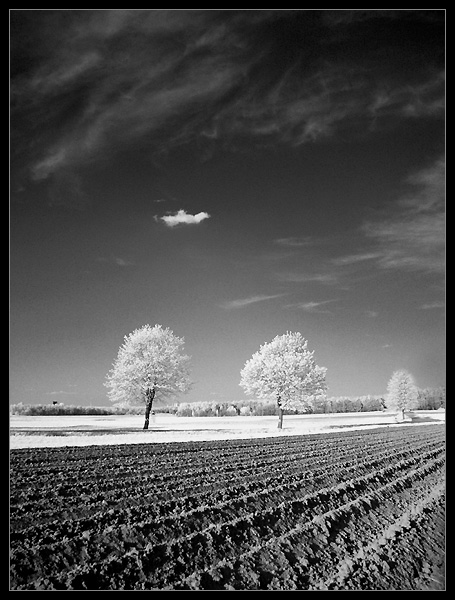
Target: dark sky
(231, 175)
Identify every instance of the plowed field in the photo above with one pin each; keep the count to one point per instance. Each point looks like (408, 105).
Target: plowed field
(359, 510)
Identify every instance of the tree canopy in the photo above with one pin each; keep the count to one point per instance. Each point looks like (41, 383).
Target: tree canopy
(149, 364)
(284, 369)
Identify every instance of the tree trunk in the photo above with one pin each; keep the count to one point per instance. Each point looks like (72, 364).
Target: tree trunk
(280, 413)
(280, 418)
(148, 407)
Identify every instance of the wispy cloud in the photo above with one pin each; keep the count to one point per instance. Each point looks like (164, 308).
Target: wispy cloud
(181, 217)
(240, 303)
(412, 235)
(412, 101)
(107, 79)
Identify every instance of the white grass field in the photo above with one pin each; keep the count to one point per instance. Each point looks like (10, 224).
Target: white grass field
(57, 431)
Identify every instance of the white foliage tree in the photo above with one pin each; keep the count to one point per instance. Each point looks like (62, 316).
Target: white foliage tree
(402, 393)
(150, 364)
(284, 369)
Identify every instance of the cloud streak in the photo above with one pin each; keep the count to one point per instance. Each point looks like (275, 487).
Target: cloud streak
(296, 242)
(311, 306)
(240, 303)
(353, 259)
(322, 278)
(432, 305)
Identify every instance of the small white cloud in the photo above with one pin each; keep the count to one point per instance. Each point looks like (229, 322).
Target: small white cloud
(181, 217)
(121, 262)
(116, 260)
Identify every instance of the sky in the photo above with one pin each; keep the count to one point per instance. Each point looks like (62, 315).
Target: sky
(232, 175)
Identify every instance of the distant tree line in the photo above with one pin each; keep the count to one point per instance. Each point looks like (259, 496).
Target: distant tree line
(71, 409)
(431, 398)
(428, 399)
(269, 407)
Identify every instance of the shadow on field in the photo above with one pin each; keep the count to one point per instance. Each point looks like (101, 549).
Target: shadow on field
(72, 431)
(410, 419)
(424, 418)
(84, 431)
(357, 426)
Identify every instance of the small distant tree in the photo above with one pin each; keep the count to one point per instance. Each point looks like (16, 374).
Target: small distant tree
(402, 393)
(284, 369)
(150, 364)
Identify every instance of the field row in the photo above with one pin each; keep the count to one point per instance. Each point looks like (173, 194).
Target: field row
(94, 474)
(179, 513)
(288, 520)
